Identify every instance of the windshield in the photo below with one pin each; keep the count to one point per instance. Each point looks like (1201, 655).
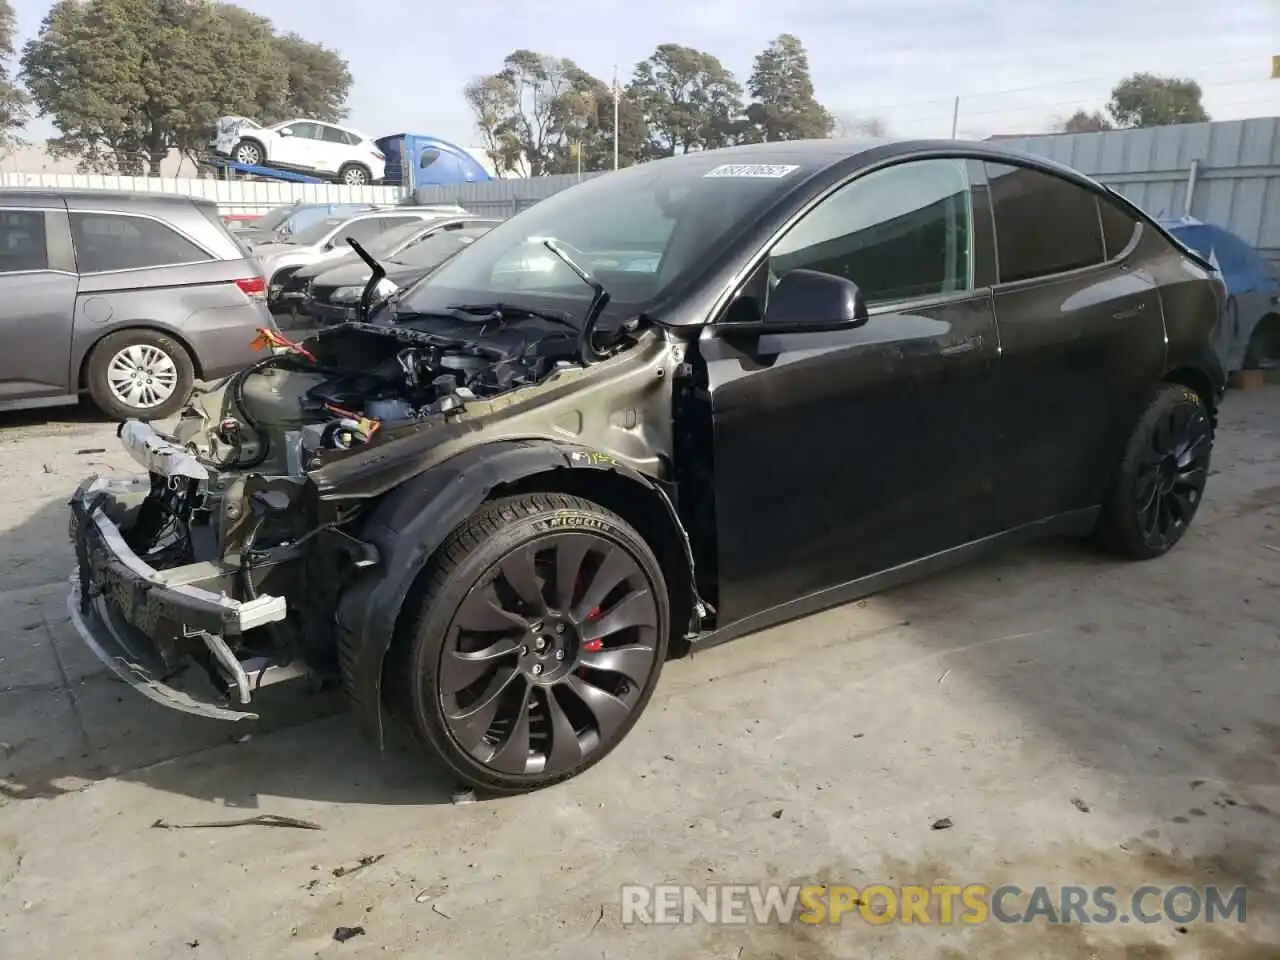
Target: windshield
(274, 217)
(315, 232)
(385, 244)
(641, 232)
(435, 249)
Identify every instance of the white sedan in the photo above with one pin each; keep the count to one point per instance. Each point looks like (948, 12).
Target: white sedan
(307, 146)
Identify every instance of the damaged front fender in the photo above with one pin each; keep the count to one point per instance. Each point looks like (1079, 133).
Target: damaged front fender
(411, 523)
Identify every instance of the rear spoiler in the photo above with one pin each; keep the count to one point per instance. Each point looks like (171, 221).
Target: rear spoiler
(1136, 211)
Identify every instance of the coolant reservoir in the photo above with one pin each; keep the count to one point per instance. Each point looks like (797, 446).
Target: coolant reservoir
(273, 397)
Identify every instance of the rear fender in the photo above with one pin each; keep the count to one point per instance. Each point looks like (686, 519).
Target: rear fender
(411, 523)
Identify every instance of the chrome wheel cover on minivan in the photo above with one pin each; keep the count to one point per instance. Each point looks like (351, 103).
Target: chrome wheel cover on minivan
(142, 376)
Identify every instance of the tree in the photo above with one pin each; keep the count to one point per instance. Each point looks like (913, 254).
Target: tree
(126, 81)
(538, 112)
(1146, 100)
(1083, 122)
(14, 101)
(783, 105)
(851, 126)
(318, 79)
(689, 101)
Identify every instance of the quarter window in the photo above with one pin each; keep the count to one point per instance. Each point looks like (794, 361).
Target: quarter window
(898, 233)
(112, 241)
(1044, 224)
(22, 241)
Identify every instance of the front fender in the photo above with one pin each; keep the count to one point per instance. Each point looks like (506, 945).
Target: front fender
(411, 522)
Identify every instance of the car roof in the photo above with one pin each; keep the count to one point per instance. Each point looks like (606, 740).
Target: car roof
(100, 198)
(822, 154)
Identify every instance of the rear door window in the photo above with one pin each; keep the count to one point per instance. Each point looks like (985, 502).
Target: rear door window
(22, 241)
(1044, 225)
(115, 241)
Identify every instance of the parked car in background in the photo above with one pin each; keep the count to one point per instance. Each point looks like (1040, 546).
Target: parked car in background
(282, 222)
(308, 146)
(334, 295)
(386, 246)
(1249, 336)
(493, 510)
(128, 297)
(325, 240)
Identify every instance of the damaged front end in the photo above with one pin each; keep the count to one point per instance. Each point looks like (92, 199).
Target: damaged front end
(219, 570)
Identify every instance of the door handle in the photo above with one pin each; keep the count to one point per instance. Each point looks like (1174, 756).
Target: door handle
(964, 346)
(1126, 314)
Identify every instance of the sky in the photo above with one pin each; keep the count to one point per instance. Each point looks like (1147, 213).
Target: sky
(1015, 66)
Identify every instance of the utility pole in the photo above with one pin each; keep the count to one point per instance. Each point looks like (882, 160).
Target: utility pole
(955, 118)
(617, 97)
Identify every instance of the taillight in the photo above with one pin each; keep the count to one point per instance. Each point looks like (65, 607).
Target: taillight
(253, 287)
(379, 154)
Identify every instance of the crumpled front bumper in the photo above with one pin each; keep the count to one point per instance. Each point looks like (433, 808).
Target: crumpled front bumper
(116, 598)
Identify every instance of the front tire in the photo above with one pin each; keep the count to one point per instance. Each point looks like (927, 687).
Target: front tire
(139, 375)
(1160, 480)
(538, 637)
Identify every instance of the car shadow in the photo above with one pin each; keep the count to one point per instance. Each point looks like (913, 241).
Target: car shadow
(67, 722)
(83, 412)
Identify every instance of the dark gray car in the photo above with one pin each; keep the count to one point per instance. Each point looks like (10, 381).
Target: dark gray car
(127, 297)
(333, 295)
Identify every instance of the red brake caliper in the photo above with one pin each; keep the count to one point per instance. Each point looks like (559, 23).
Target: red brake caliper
(590, 646)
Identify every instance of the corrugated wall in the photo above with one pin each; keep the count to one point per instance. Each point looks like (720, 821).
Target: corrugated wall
(1237, 183)
(231, 196)
(503, 198)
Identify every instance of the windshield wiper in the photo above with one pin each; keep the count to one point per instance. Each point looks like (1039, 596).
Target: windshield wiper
(507, 311)
(587, 351)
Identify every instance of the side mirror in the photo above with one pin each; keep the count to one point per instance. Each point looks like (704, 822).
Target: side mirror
(809, 300)
(286, 132)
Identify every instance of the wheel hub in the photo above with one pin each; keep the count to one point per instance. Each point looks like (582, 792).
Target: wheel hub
(551, 648)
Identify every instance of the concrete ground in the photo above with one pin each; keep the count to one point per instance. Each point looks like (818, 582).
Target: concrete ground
(1077, 720)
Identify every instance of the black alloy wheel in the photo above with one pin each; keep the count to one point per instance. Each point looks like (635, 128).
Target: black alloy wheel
(1162, 477)
(554, 645)
(1172, 475)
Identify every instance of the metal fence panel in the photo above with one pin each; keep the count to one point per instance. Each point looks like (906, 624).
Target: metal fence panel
(231, 196)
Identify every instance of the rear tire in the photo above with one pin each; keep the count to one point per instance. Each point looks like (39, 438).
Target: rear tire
(1159, 482)
(557, 604)
(354, 175)
(248, 153)
(139, 375)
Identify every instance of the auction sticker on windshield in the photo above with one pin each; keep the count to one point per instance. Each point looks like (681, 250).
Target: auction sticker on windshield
(767, 171)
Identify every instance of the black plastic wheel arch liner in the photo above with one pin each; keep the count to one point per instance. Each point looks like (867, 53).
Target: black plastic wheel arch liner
(413, 520)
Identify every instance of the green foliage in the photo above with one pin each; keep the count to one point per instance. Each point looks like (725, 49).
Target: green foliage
(1146, 100)
(1083, 122)
(14, 101)
(783, 104)
(126, 81)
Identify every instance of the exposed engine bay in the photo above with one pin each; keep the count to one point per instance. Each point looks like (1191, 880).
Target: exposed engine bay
(302, 406)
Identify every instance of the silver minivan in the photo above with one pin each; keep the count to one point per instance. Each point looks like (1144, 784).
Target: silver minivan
(128, 297)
